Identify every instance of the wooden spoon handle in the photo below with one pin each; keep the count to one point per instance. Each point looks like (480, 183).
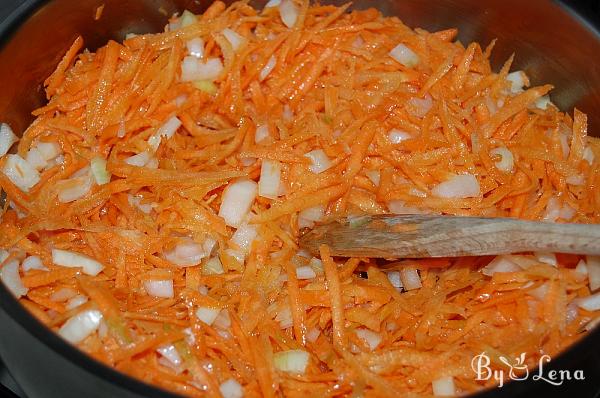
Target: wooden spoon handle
(420, 236)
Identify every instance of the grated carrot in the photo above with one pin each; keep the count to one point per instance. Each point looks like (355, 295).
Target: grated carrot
(389, 134)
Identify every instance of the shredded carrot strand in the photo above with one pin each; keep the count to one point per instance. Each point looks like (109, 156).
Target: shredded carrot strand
(316, 122)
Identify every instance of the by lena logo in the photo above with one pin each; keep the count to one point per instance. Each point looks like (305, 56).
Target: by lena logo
(517, 370)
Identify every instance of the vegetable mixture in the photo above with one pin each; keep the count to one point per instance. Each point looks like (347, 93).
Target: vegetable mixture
(154, 205)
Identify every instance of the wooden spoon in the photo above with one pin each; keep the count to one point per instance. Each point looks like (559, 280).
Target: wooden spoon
(419, 236)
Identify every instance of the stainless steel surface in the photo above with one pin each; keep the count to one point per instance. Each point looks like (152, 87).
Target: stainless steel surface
(7, 382)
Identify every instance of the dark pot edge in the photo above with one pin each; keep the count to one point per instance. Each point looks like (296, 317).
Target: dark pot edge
(35, 328)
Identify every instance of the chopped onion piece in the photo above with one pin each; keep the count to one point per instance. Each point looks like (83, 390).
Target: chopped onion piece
(122, 131)
(475, 145)
(193, 69)
(230, 388)
(567, 212)
(176, 24)
(575, 179)
(59, 160)
(288, 12)
(170, 353)
(247, 162)
(571, 313)
(189, 336)
(136, 201)
(262, 133)
(320, 161)
(35, 159)
(315, 213)
(399, 207)
(374, 176)
(293, 361)
(539, 292)
(139, 160)
(287, 114)
(552, 211)
(546, 257)
(48, 150)
(209, 245)
(564, 143)
(581, 268)
(154, 141)
(17, 209)
(213, 267)
(593, 268)
(244, 236)
(233, 38)
(542, 102)
(397, 136)
(76, 301)
(305, 272)
(308, 216)
(394, 278)
(80, 326)
(33, 262)
(404, 55)
(7, 138)
(417, 192)
(589, 303)
(63, 294)
(20, 173)
(237, 255)
(358, 42)
(517, 80)
(592, 324)
(237, 200)
(410, 278)
(187, 18)
(168, 129)
(588, 155)
(268, 68)
(444, 387)
(98, 167)
(223, 321)
(459, 186)
(273, 3)
(371, 338)
(506, 162)
(270, 179)
(102, 329)
(421, 105)
(160, 288)
(70, 259)
(9, 275)
(207, 314)
(186, 254)
(128, 36)
(500, 264)
(203, 290)
(207, 86)
(74, 188)
(491, 105)
(313, 335)
(316, 264)
(167, 364)
(284, 316)
(195, 47)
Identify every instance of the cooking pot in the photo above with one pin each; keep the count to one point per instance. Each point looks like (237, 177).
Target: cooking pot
(552, 42)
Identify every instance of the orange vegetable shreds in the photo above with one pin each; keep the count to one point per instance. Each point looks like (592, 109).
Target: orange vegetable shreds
(159, 196)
